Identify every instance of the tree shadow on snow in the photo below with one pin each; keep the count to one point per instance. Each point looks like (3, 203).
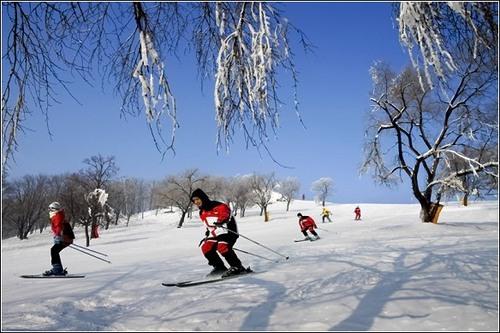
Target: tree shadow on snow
(420, 281)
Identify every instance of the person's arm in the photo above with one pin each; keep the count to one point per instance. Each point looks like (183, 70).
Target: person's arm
(223, 213)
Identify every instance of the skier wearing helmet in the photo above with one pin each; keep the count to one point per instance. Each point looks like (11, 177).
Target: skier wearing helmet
(63, 236)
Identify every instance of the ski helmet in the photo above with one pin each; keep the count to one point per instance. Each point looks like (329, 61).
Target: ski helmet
(55, 206)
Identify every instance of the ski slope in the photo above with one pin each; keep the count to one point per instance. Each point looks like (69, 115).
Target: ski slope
(387, 272)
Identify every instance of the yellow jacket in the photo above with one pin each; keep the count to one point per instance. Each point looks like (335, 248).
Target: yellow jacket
(325, 212)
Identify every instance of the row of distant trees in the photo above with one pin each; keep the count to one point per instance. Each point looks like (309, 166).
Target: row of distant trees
(25, 200)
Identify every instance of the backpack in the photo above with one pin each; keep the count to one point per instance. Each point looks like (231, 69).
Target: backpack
(67, 233)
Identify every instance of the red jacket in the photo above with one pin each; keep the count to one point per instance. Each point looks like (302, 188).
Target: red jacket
(56, 222)
(357, 211)
(218, 213)
(307, 222)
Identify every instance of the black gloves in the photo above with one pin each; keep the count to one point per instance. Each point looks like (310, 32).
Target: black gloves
(219, 223)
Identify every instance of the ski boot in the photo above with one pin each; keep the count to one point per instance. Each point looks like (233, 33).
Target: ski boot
(236, 271)
(217, 271)
(56, 270)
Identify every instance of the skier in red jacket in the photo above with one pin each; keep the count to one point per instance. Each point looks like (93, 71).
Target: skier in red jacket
(357, 211)
(307, 223)
(63, 236)
(219, 239)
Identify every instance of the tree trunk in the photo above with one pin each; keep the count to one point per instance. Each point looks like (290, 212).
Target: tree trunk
(87, 236)
(266, 215)
(182, 219)
(430, 213)
(288, 205)
(465, 200)
(117, 217)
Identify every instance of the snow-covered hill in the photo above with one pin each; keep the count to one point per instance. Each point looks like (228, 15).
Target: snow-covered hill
(386, 272)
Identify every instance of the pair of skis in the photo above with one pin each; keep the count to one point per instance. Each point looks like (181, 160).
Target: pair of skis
(190, 283)
(306, 239)
(41, 276)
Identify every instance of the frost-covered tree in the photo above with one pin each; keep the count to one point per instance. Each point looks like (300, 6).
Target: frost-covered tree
(244, 46)
(242, 194)
(288, 188)
(467, 185)
(262, 187)
(418, 133)
(432, 30)
(323, 188)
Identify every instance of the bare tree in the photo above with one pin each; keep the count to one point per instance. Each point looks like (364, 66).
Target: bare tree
(244, 44)
(289, 188)
(177, 190)
(323, 188)
(99, 171)
(414, 132)
(24, 204)
(72, 196)
(262, 187)
(133, 197)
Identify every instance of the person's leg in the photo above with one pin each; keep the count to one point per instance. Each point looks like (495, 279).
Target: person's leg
(209, 249)
(225, 248)
(55, 260)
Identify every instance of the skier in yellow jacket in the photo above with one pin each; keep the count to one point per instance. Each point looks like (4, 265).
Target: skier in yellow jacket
(325, 214)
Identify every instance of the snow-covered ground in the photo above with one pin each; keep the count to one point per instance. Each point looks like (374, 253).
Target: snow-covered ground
(388, 272)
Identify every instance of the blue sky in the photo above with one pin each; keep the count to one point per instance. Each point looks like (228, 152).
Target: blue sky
(334, 86)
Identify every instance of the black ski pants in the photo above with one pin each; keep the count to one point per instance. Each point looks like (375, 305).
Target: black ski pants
(55, 258)
(230, 256)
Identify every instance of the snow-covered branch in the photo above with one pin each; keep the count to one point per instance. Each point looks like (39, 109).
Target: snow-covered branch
(252, 48)
(435, 28)
(150, 72)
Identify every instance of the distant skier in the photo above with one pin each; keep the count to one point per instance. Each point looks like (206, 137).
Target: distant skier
(325, 214)
(357, 211)
(214, 214)
(307, 223)
(63, 237)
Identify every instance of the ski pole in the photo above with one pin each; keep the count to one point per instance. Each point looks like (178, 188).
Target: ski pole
(325, 230)
(87, 249)
(253, 254)
(234, 232)
(89, 254)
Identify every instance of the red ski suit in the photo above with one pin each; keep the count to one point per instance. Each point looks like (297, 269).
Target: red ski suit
(56, 223)
(219, 213)
(357, 211)
(307, 223)
(60, 227)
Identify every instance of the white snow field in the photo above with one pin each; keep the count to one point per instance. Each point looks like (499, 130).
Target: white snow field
(388, 272)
